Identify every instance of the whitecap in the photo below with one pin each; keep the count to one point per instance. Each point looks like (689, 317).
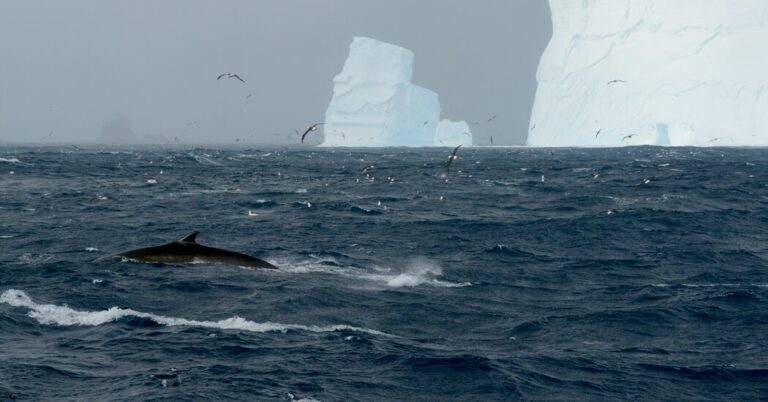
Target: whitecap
(91, 249)
(51, 314)
(10, 160)
(417, 272)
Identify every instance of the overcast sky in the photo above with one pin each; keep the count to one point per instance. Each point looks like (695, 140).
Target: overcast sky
(68, 66)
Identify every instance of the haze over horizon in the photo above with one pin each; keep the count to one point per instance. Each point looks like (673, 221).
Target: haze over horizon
(70, 67)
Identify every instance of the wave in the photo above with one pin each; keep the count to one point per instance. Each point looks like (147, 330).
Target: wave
(417, 272)
(10, 160)
(51, 314)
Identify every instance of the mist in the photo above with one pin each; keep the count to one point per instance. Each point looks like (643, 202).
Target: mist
(69, 67)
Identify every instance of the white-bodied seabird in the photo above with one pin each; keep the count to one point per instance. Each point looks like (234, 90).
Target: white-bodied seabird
(451, 158)
(312, 127)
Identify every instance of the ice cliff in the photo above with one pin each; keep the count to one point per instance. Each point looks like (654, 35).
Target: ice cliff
(662, 72)
(375, 104)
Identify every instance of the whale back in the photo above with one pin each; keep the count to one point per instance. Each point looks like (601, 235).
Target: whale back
(186, 250)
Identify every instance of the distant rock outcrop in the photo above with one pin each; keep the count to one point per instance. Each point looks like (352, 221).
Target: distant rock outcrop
(117, 131)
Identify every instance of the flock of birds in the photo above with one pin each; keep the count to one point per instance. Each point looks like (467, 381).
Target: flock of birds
(313, 127)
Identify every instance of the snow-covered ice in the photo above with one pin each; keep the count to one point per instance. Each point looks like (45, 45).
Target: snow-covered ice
(375, 103)
(682, 72)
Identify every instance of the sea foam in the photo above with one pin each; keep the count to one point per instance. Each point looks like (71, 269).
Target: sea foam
(51, 314)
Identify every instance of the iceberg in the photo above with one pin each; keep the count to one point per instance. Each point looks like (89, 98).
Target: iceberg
(645, 72)
(452, 133)
(375, 104)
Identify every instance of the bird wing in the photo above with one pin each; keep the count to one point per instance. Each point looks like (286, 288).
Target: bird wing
(452, 157)
(305, 133)
(238, 77)
(219, 77)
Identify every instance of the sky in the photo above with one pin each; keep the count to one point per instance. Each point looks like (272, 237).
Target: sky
(67, 67)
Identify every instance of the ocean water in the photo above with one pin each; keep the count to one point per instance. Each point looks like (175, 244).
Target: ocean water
(523, 275)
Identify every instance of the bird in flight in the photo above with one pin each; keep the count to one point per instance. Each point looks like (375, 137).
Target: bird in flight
(451, 158)
(598, 132)
(229, 75)
(628, 136)
(312, 127)
(491, 118)
(615, 82)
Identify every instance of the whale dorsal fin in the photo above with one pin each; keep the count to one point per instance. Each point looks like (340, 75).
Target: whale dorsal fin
(190, 238)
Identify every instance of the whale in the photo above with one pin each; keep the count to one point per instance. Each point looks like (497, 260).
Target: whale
(187, 251)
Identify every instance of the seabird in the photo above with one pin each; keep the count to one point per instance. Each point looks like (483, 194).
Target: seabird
(229, 75)
(312, 127)
(615, 82)
(425, 123)
(532, 127)
(628, 136)
(451, 158)
(598, 132)
(491, 140)
(645, 181)
(248, 96)
(491, 118)
(716, 139)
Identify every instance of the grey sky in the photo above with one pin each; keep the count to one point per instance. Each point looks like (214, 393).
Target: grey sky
(67, 66)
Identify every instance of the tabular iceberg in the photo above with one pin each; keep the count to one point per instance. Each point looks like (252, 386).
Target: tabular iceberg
(634, 72)
(452, 133)
(375, 104)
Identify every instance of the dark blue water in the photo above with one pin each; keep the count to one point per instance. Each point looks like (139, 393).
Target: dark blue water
(394, 284)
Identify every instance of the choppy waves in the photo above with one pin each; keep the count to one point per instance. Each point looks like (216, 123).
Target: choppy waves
(530, 274)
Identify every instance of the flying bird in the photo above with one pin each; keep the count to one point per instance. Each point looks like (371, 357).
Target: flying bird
(628, 136)
(229, 75)
(451, 158)
(598, 132)
(312, 127)
(491, 118)
(615, 82)
(491, 140)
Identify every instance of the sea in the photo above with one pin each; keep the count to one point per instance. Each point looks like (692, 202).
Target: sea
(636, 273)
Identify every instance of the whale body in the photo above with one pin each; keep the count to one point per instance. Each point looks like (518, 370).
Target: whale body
(187, 251)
